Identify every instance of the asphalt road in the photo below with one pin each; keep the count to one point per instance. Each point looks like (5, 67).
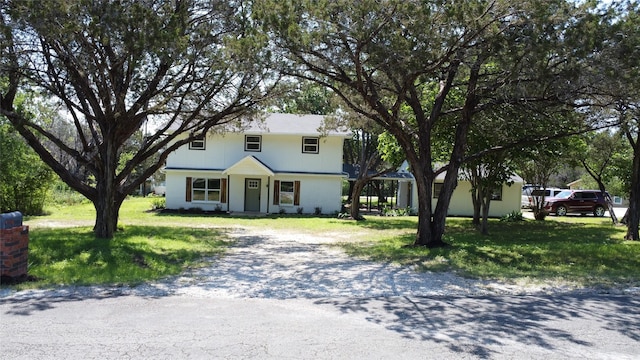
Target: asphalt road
(109, 326)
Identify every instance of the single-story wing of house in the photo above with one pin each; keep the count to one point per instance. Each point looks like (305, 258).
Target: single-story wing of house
(505, 200)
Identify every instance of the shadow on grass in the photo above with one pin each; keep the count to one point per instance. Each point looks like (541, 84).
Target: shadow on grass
(587, 253)
(381, 223)
(74, 256)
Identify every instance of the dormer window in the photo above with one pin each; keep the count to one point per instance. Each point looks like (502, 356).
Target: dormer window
(252, 143)
(310, 145)
(198, 143)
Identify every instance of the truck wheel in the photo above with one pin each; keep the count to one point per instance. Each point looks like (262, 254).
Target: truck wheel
(598, 211)
(561, 210)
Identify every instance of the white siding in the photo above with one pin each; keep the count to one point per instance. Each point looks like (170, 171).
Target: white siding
(324, 192)
(461, 204)
(282, 153)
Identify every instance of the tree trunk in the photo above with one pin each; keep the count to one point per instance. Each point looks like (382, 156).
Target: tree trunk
(424, 235)
(107, 212)
(633, 213)
(350, 193)
(358, 185)
(477, 205)
(607, 198)
(431, 225)
(486, 203)
(108, 200)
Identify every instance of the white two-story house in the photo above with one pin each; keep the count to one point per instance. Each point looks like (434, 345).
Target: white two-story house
(283, 164)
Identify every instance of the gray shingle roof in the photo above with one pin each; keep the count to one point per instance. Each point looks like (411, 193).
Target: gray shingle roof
(309, 125)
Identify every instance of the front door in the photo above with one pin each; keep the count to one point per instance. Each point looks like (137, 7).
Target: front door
(252, 195)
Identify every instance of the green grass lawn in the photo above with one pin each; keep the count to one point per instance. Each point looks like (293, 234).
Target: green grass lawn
(588, 251)
(152, 245)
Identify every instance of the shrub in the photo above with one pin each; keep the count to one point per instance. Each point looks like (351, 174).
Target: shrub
(388, 211)
(317, 210)
(158, 203)
(513, 216)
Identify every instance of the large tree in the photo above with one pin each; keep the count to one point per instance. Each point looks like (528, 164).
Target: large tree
(385, 57)
(616, 71)
(179, 67)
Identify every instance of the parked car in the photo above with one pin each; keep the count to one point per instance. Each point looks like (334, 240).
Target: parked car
(526, 192)
(576, 201)
(529, 193)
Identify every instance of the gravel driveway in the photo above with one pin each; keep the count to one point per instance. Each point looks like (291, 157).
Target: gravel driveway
(284, 265)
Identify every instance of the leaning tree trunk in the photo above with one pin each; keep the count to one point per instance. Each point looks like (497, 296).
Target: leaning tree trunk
(608, 200)
(350, 192)
(358, 186)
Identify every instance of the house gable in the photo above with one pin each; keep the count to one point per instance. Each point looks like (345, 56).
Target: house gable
(249, 165)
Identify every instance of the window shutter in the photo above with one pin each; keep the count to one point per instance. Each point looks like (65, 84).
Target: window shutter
(223, 191)
(188, 194)
(296, 193)
(276, 192)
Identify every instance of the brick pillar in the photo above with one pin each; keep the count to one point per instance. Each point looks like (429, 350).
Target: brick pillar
(14, 246)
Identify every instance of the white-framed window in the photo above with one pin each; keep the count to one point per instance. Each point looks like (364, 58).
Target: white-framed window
(286, 193)
(197, 143)
(252, 143)
(310, 145)
(496, 194)
(205, 189)
(437, 188)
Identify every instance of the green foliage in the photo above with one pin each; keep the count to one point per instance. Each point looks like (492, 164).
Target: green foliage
(389, 211)
(606, 157)
(513, 216)
(24, 179)
(306, 98)
(63, 195)
(390, 150)
(422, 70)
(158, 203)
(114, 67)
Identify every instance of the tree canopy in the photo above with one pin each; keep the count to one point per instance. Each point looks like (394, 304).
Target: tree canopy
(178, 67)
(615, 73)
(422, 69)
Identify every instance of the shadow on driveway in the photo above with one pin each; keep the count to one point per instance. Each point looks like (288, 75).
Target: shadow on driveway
(480, 325)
